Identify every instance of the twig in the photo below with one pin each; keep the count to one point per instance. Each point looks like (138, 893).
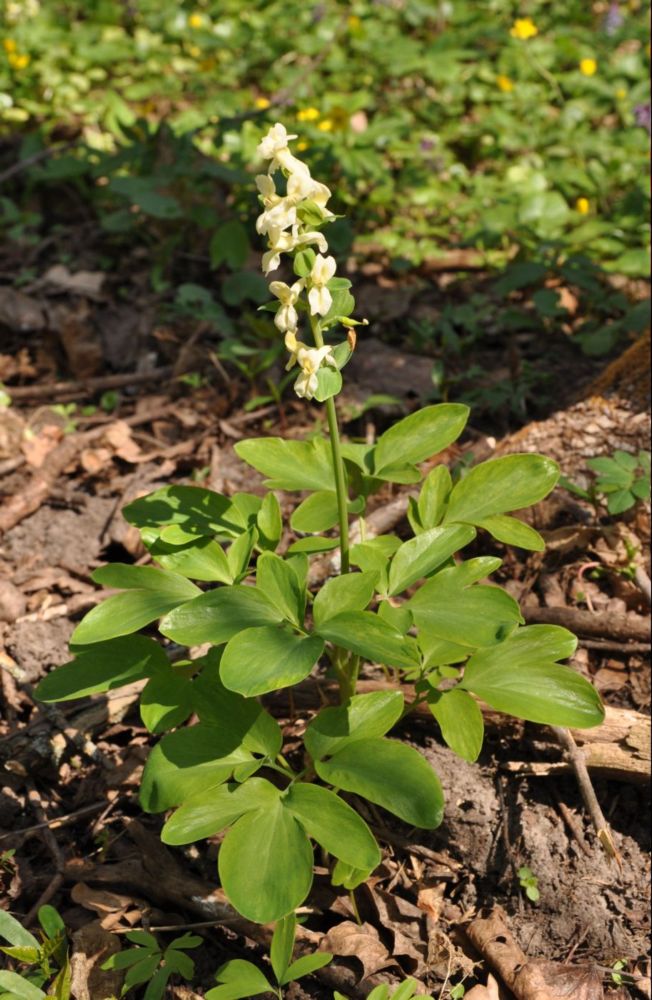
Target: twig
(578, 764)
(571, 824)
(51, 842)
(643, 581)
(615, 647)
(603, 625)
(53, 824)
(88, 386)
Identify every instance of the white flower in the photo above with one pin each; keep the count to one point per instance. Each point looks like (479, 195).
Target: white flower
(319, 297)
(275, 141)
(274, 147)
(311, 359)
(280, 242)
(302, 187)
(286, 318)
(281, 216)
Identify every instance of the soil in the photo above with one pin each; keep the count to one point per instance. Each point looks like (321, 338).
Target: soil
(88, 755)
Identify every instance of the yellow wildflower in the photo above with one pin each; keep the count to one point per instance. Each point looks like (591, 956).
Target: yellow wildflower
(17, 61)
(262, 103)
(588, 67)
(524, 28)
(621, 93)
(308, 115)
(505, 84)
(195, 20)
(194, 51)
(302, 146)
(583, 206)
(353, 22)
(9, 45)
(325, 125)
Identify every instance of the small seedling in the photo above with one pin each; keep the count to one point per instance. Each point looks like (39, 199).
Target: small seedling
(621, 481)
(457, 991)
(617, 968)
(151, 964)
(530, 883)
(240, 979)
(47, 958)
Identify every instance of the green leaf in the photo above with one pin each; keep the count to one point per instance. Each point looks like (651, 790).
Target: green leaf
(351, 592)
(317, 512)
(30, 956)
(347, 876)
(511, 531)
(207, 812)
(14, 932)
(521, 678)
(420, 435)
(166, 701)
(20, 988)
(460, 721)
(434, 496)
(158, 592)
(244, 718)
(142, 972)
(313, 545)
(123, 576)
(282, 945)
(103, 667)
(292, 465)
(303, 262)
(240, 980)
(278, 582)
(219, 615)
(125, 959)
(269, 523)
(203, 559)
(198, 511)
(305, 966)
(438, 652)
(144, 939)
(230, 245)
(156, 986)
(51, 921)
(501, 485)
(258, 660)
(265, 864)
(333, 824)
(329, 383)
(369, 636)
(239, 554)
(620, 501)
(366, 715)
(390, 774)
(188, 761)
(475, 616)
(420, 556)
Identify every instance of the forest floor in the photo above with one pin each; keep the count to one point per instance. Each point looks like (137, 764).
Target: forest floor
(442, 903)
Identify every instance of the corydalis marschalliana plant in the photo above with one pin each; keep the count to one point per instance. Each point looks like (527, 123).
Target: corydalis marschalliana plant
(224, 579)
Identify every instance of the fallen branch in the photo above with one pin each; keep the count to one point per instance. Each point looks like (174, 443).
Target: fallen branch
(603, 625)
(526, 978)
(87, 387)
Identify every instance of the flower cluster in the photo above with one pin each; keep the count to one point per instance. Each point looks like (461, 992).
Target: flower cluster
(282, 222)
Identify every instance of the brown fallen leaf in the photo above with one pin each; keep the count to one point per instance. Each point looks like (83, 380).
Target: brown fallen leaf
(91, 946)
(488, 992)
(118, 434)
(113, 907)
(80, 340)
(20, 312)
(36, 447)
(359, 941)
(86, 283)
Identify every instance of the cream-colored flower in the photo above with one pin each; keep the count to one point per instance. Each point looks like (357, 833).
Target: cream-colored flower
(311, 360)
(281, 216)
(282, 242)
(274, 147)
(286, 318)
(319, 297)
(302, 187)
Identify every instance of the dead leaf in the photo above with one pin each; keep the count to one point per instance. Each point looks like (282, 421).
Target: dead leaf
(112, 907)
(91, 946)
(12, 428)
(94, 460)
(79, 338)
(431, 900)
(488, 992)
(86, 283)
(118, 434)
(36, 447)
(360, 942)
(20, 312)
(12, 602)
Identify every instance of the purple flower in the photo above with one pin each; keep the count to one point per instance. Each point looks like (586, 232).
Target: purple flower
(426, 145)
(614, 19)
(642, 116)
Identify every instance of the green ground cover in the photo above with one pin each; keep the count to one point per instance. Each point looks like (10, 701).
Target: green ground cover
(517, 133)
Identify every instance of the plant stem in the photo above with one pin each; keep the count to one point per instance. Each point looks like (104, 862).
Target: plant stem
(338, 464)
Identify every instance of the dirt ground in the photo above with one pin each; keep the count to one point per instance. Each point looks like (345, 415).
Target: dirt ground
(68, 795)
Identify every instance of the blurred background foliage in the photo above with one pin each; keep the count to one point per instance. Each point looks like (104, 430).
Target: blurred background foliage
(508, 139)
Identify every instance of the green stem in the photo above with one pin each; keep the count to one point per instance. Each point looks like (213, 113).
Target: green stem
(338, 464)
